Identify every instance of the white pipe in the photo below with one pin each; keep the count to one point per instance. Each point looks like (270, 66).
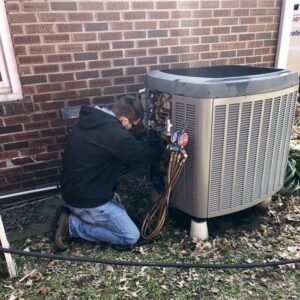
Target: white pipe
(28, 192)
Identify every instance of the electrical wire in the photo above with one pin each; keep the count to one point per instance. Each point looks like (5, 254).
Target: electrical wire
(150, 264)
(156, 216)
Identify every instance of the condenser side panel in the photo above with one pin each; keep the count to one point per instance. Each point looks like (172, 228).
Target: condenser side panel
(191, 191)
(250, 142)
(203, 156)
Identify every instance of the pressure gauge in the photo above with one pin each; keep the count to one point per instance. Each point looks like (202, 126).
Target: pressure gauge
(182, 139)
(174, 136)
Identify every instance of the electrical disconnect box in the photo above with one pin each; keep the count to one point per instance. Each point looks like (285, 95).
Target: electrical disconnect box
(238, 120)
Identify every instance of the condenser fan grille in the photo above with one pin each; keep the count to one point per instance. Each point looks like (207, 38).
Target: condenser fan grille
(249, 149)
(217, 151)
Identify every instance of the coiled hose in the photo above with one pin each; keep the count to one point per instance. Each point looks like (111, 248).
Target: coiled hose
(156, 216)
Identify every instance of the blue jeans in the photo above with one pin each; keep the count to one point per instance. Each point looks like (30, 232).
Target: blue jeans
(108, 222)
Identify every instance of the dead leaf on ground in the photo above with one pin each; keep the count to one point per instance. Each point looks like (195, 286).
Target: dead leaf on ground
(109, 269)
(44, 290)
(28, 274)
(12, 297)
(29, 283)
(124, 287)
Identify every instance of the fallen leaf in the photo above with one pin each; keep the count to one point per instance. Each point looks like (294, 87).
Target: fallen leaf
(181, 284)
(125, 287)
(9, 286)
(292, 217)
(110, 269)
(12, 297)
(263, 228)
(44, 290)
(142, 250)
(31, 273)
(134, 294)
(27, 242)
(28, 283)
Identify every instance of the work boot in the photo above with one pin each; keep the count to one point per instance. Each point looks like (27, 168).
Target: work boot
(60, 228)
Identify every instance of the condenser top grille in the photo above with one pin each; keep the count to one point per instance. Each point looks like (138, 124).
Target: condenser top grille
(220, 81)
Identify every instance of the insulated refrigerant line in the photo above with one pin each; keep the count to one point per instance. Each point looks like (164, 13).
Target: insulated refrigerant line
(149, 263)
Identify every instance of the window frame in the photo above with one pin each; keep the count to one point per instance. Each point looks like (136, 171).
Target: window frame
(10, 87)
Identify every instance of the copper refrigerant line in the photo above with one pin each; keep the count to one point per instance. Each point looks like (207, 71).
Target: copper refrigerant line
(156, 216)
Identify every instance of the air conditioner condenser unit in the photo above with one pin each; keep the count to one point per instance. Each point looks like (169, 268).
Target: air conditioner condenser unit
(239, 121)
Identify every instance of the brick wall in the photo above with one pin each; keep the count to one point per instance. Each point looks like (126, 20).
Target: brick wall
(91, 52)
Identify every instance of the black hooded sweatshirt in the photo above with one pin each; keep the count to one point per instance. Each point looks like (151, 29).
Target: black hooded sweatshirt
(96, 149)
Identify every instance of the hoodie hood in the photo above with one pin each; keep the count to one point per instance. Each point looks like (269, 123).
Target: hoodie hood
(90, 117)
